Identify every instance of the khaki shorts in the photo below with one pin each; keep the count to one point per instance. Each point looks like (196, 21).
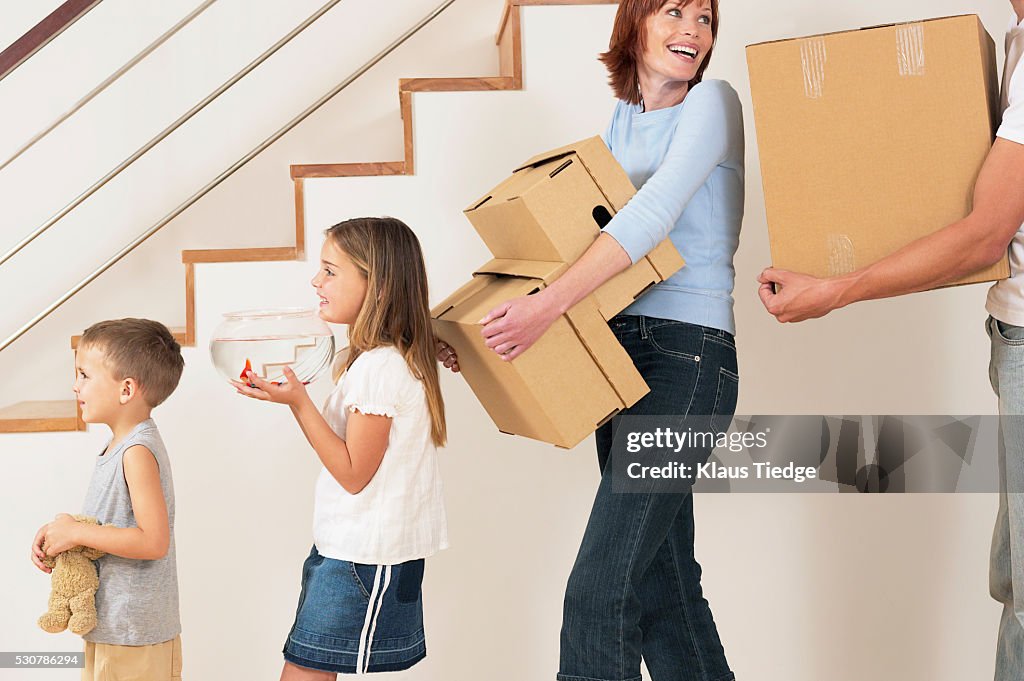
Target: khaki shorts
(158, 662)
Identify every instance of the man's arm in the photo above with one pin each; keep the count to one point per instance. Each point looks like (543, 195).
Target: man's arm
(149, 540)
(962, 248)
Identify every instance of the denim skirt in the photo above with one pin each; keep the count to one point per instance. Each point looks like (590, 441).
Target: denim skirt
(355, 618)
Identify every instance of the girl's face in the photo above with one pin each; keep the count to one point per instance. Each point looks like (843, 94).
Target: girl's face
(678, 41)
(340, 285)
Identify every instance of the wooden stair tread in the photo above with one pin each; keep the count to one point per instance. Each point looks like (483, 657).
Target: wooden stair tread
(307, 170)
(39, 416)
(456, 84)
(239, 255)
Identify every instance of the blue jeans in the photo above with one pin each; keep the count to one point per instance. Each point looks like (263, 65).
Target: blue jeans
(634, 590)
(1006, 575)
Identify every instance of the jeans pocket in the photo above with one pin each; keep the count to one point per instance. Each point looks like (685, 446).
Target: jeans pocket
(365, 580)
(1008, 333)
(678, 340)
(726, 397)
(410, 580)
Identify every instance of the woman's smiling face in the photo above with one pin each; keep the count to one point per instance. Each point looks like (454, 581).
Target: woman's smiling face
(678, 38)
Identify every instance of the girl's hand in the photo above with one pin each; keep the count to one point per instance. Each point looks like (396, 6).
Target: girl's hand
(446, 356)
(37, 550)
(512, 327)
(60, 535)
(292, 392)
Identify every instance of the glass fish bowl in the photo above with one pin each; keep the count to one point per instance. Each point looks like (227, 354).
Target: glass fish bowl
(267, 341)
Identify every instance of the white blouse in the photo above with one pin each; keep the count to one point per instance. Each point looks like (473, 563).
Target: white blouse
(400, 514)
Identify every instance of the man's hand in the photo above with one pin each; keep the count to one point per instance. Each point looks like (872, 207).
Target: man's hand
(512, 327)
(60, 535)
(799, 297)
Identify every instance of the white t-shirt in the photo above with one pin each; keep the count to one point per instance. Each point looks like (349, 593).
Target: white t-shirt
(400, 514)
(1006, 298)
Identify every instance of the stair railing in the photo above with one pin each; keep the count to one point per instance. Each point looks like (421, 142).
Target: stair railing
(166, 132)
(228, 172)
(55, 23)
(149, 49)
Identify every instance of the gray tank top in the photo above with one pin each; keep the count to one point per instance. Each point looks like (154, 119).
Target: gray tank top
(137, 602)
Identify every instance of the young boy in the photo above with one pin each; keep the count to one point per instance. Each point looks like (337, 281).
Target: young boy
(125, 368)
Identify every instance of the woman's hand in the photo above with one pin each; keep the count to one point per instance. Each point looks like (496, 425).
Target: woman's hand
(292, 392)
(512, 327)
(446, 356)
(60, 535)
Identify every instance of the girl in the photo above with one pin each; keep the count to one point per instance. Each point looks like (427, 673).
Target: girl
(378, 509)
(635, 589)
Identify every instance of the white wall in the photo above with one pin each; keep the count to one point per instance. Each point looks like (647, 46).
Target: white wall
(807, 587)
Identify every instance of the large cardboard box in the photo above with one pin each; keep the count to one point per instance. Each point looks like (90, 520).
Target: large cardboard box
(573, 379)
(554, 206)
(870, 139)
(536, 223)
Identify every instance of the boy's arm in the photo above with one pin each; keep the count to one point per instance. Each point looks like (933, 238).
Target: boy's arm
(148, 541)
(962, 248)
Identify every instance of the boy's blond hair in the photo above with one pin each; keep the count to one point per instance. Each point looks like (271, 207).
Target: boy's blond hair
(141, 349)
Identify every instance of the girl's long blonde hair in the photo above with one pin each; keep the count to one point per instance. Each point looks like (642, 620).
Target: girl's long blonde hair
(396, 310)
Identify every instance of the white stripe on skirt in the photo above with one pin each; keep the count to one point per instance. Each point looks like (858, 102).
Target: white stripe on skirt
(373, 626)
(373, 609)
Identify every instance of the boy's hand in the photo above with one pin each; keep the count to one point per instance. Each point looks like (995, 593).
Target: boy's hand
(292, 392)
(37, 550)
(60, 535)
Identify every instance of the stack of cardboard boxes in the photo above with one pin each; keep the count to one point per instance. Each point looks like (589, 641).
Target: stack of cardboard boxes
(536, 224)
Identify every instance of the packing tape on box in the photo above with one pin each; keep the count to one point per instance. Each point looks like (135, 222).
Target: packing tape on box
(841, 259)
(910, 49)
(814, 56)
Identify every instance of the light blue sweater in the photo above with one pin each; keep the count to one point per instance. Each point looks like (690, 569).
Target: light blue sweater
(687, 161)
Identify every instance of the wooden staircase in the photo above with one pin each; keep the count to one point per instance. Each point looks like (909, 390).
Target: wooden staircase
(64, 415)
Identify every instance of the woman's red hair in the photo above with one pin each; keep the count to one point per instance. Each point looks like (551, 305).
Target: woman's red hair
(629, 40)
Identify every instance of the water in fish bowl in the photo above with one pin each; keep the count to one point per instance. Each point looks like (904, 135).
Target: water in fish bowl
(307, 355)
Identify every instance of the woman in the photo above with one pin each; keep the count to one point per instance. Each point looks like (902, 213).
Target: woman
(635, 588)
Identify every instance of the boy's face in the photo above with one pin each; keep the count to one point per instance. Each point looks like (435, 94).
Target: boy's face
(100, 394)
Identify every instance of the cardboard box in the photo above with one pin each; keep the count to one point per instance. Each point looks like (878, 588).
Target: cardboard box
(553, 208)
(572, 380)
(537, 222)
(871, 139)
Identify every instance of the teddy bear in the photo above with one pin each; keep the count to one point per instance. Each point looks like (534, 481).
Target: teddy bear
(73, 585)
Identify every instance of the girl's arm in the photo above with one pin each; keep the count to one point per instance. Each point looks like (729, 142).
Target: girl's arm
(148, 541)
(353, 461)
